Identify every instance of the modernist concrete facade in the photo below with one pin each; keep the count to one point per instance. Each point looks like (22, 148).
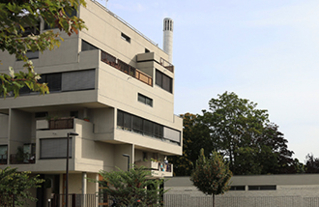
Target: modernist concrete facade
(250, 191)
(110, 74)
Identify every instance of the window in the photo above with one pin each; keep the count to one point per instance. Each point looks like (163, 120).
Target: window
(50, 26)
(87, 46)
(53, 80)
(31, 30)
(143, 99)
(237, 188)
(146, 127)
(31, 55)
(74, 114)
(172, 135)
(125, 37)
(41, 114)
(164, 81)
(78, 80)
(262, 187)
(137, 124)
(3, 154)
(55, 148)
(147, 50)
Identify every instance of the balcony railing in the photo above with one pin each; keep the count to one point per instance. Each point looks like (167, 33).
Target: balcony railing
(126, 68)
(25, 158)
(167, 65)
(156, 166)
(61, 123)
(3, 159)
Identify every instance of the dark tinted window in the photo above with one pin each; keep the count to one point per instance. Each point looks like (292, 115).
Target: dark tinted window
(164, 81)
(238, 188)
(144, 99)
(87, 46)
(262, 187)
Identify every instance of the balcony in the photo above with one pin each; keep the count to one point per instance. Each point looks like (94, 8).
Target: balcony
(158, 169)
(24, 158)
(61, 123)
(167, 65)
(125, 68)
(58, 123)
(3, 159)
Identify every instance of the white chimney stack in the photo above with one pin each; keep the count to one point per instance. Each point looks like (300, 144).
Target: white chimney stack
(168, 38)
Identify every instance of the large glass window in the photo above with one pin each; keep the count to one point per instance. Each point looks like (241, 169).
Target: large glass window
(54, 81)
(137, 124)
(164, 81)
(55, 148)
(146, 127)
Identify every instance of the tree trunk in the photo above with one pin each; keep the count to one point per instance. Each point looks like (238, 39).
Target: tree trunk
(213, 200)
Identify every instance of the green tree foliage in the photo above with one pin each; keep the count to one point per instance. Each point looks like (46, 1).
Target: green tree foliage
(312, 164)
(132, 188)
(20, 32)
(195, 137)
(211, 175)
(242, 133)
(235, 123)
(14, 187)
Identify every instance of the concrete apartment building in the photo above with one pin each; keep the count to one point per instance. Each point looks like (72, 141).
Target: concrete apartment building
(109, 84)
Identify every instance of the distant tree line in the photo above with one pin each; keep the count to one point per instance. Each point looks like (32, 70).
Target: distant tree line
(243, 135)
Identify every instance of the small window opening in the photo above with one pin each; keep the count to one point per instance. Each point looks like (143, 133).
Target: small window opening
(125, 37)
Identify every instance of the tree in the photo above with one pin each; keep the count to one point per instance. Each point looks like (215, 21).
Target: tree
(242, 133)
(20, 32)
(234, 123)
(195, 137)
(14, 187)
(211, 175)
(312, 164)
(132, 188)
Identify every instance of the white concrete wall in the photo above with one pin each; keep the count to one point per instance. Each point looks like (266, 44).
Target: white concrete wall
(4, 128)
(119, 160)
(20, 129)
(292, 191)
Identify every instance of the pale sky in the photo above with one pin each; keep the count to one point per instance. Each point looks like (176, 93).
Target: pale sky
(263, 50)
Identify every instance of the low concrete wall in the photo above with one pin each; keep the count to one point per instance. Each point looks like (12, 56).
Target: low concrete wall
(177, 200)
(291, 191)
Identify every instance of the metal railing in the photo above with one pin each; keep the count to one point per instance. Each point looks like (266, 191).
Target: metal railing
(26, 158)
(3, 159)
(167, 65)
(126, 68)
(61, 123)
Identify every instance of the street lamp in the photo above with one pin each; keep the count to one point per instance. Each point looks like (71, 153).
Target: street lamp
(67, 166)
(128, 161)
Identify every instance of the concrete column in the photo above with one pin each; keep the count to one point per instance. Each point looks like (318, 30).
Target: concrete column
(84, 188)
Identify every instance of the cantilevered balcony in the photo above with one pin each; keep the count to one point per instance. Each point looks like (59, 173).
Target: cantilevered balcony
(122, 66)
(59, 123)
(157, 168)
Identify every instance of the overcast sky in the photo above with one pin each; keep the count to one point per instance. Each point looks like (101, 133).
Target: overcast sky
(263, 50)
